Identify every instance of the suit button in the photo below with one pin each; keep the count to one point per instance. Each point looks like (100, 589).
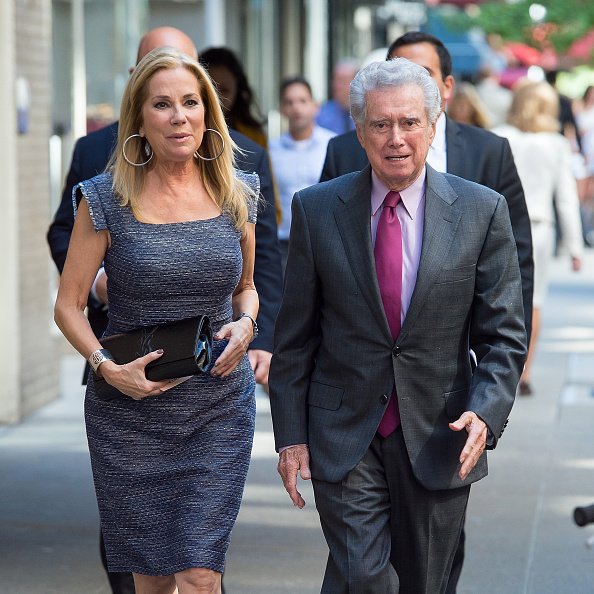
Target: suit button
(396, 351)
(384, 398)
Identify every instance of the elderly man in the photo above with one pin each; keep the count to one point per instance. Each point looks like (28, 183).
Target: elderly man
(394, 273)
(467, 151)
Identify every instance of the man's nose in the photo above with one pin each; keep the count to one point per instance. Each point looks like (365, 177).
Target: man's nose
(396, 136)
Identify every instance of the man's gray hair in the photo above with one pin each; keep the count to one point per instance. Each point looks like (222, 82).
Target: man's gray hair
(398, 72)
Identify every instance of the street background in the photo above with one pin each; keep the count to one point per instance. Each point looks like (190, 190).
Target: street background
(520, 535)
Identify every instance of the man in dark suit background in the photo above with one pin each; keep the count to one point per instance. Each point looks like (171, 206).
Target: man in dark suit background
(465, 151)
(90, 157)
(394, 273)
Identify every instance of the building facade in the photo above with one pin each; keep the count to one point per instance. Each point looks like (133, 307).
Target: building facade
(28, 355)
(67, 64)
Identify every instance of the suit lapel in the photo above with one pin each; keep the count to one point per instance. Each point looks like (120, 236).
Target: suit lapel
(456, 155)
(441, 221)
(353, 216)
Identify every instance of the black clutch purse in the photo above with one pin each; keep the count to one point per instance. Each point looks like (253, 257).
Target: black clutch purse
(187, 346)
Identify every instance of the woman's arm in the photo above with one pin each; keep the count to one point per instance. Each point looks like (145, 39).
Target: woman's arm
(241, 331)
(85, 254)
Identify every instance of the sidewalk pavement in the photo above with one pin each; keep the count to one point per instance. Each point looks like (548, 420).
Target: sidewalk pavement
(520, 535)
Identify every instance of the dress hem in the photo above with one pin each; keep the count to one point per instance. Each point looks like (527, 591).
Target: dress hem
(218, 567)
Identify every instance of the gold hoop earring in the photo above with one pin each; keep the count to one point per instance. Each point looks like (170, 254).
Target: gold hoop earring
(197, 155)
(147, 147)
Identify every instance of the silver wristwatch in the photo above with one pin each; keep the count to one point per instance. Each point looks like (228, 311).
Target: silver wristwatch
(97, 357)
(254, 325)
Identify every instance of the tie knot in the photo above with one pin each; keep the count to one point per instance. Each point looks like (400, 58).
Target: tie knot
(392, 199)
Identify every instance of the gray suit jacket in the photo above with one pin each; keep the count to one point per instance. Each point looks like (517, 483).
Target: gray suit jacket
(334, 359)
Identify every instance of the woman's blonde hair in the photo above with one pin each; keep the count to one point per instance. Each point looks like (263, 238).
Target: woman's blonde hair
(218, 175)
(534, 108)
(466, 96)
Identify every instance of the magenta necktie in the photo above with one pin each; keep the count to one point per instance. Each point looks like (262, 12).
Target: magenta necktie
(388, 265)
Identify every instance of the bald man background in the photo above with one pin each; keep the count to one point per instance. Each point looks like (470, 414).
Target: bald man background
(90, 157)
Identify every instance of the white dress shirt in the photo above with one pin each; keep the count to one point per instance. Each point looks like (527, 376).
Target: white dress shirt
(437, 156)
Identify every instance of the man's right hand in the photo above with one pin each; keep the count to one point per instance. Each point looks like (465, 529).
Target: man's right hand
(290, 461)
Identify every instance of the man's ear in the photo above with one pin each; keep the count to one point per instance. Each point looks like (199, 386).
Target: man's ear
(449, 83)
(433, 130)
(358, 129)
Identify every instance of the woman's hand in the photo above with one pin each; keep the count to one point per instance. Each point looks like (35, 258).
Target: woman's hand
(239, 334)
(130, 379)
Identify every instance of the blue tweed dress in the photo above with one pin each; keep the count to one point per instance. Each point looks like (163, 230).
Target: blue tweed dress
(169, 470)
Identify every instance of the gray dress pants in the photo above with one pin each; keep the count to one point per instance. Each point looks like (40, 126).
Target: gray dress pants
(386, 533)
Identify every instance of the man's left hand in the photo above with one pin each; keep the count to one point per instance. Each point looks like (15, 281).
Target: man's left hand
(475, 444)
(260, 361)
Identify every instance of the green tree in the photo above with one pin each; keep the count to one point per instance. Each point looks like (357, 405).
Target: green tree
(565, 21)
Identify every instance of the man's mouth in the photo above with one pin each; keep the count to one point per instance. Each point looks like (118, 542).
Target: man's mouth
(397, 158)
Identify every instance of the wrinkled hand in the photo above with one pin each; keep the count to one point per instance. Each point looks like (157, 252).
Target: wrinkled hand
(290, 461)
(238, 334)
(130, 379)
(475, 444)
(101, 287)
(260, 361)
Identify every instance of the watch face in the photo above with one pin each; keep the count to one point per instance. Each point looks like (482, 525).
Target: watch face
(96, 358)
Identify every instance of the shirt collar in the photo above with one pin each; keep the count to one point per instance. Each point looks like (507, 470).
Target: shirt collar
(411, 197)
(439, 142)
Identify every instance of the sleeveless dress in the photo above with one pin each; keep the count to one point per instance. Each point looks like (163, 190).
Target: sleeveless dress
(169, 470)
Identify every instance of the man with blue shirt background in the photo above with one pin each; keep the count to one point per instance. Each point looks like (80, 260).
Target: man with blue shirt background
(298, 155)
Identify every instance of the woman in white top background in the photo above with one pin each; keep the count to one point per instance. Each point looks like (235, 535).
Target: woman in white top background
(543, 160)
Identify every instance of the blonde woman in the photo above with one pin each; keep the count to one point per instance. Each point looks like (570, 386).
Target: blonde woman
(466, 107)
(543, 159)
(173, 223)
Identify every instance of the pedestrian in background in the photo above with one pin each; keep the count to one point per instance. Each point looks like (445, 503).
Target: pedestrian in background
(585, 123)
(493, 95)
(466, 107)
(173, 221)
(239, 102)
(335, 113)
(543, 158)
(298, 155)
